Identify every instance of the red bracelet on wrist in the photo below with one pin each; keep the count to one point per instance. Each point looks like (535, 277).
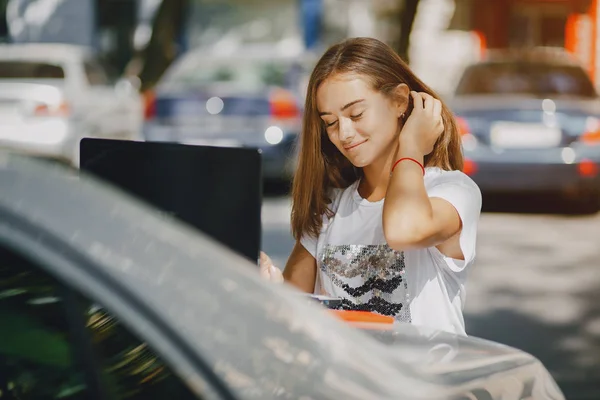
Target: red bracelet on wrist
(410, 159)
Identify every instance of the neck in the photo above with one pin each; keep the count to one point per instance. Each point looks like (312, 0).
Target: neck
(376, 176)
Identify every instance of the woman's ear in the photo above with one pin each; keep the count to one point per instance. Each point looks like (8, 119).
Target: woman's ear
(401, 94)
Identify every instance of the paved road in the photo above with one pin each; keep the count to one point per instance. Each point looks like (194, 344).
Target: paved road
(536, 286)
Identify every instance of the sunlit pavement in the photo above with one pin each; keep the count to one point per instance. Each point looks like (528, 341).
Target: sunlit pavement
(536, 286)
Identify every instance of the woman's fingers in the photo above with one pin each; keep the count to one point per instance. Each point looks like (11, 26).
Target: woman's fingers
(269, 271)
(275, 274)
(437, 108)
(417, 101)
(428, 103)
(265, 265)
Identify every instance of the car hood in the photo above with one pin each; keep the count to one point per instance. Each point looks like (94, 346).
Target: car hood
(466, 361)
(48, 91)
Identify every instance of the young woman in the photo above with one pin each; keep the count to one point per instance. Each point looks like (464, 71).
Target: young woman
(382, 214)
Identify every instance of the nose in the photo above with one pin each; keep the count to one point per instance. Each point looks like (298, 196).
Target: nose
(347, 132)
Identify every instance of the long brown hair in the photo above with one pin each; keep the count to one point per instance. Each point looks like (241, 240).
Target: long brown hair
(321, 166)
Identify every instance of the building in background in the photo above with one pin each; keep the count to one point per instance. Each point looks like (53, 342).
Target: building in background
(582, 38)
(519, 23)
(572, 24)
(447, 34)
(104, 25)
(230, 24)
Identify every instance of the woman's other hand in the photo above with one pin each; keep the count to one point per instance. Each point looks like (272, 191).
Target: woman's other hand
(269, 271)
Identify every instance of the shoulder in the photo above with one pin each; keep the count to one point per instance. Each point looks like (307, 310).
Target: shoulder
(456, 187)
(435, 177)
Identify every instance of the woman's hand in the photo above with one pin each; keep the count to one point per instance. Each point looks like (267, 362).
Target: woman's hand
(424, 125)
(269, 271)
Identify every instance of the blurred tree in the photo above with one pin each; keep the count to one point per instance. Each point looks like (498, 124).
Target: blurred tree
(407, 18)
(163, 47)
(118, 19)
(3, 21)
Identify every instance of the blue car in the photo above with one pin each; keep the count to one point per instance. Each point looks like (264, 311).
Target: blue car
(252, 98)
(530, 122)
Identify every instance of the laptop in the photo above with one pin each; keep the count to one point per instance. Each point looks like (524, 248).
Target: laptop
(216, 190)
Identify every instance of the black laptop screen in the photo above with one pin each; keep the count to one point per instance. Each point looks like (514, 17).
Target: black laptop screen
(216, 190)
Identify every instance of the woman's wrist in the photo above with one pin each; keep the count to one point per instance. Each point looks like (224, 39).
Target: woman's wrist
(415, 161)
(408, 148)
(408, 152)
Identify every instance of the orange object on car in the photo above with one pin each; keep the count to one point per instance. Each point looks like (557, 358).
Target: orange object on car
(363, 317)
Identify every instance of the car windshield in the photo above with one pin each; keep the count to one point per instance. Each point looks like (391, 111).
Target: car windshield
(538, 79)
(242, 74)
(30, 70)
(572, 123)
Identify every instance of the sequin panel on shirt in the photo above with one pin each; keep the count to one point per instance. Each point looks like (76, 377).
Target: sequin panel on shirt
(367, 278)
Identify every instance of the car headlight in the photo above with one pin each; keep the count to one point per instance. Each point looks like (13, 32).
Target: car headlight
(592, 131)
(274, 135)
(469, 142)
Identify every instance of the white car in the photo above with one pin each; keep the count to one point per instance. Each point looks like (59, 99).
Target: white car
(136, 305)
(52, 95)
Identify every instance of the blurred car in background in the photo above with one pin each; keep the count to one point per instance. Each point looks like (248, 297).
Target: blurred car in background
(52, 95)
(530, 121)
(251, 98)
(140, 306)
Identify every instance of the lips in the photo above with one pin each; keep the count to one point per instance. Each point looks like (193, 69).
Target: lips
(355, 145)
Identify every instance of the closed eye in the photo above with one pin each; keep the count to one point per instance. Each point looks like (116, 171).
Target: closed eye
(354, 117)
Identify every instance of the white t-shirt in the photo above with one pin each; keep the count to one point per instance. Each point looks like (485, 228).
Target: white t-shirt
(422, 287)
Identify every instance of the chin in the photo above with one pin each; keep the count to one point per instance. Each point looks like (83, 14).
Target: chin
(359, 162)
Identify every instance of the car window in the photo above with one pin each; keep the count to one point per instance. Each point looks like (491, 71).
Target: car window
(480, 122)
(129, 366)
(37, 352)
(244, 75)
(30, 70)
(95, 73)
(539, 79)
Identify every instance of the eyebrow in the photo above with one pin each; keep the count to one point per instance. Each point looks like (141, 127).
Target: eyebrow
(343, 108)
